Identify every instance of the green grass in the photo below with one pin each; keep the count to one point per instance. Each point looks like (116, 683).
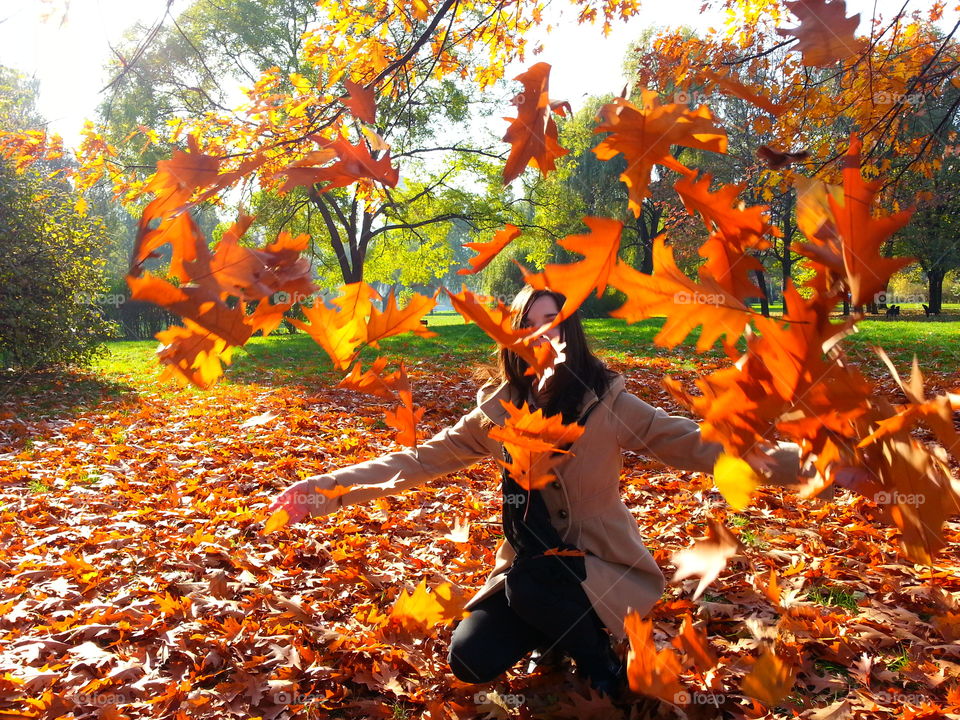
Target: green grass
(833, 595)
(283, 358)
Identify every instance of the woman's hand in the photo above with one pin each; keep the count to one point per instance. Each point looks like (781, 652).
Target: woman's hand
(304, 498)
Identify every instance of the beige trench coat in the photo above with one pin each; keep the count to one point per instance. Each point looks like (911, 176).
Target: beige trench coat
(584, 501)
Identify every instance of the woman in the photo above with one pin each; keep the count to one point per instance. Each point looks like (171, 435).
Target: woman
(533, 600)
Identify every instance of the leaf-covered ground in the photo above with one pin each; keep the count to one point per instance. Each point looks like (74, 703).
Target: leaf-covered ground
(137, 582)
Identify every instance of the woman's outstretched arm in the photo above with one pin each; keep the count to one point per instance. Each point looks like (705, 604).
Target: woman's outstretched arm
(449, 450)
(676, 441)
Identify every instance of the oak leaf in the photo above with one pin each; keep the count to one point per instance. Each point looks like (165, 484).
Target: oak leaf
(706, 558)
(862, 234)
(645, 135)
(685, 303)
(360, 101)
(648, 671)
(533, 133)
(535, 444)
(404, 417)
(825, 34)
(770, 679)
(577, 280)
(486, 251)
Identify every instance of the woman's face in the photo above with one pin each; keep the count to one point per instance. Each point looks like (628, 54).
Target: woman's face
(542, 311)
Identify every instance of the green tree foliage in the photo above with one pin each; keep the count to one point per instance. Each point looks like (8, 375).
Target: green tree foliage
(51, 277)
(50, 281)
(933, 234)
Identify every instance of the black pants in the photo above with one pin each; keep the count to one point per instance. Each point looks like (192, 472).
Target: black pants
(540, 606)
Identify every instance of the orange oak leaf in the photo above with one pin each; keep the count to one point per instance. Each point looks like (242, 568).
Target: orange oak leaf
(706, 558)
(937, 412)
(195, 303)
(404, 417)
(738, 89)
(187, 242)
(770, 679)
(734, 229)
(695, 644)
(533, 133)
(338, 333)
(862, 234)
(486, 251)
(423, 610)
(645, 134)
(685, 303)
(535, 444)
(498, 322)
(577, 280)
(825, 34)
(650, 672)
(371, 382)
(353, 163)
(393, 321)
(191, 354)
(360, 101)
(722, 212)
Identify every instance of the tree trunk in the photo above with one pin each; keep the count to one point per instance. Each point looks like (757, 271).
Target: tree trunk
(935, 289)
(761, 279)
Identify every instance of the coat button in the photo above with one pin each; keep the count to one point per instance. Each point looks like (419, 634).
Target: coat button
(556, 484)
(563, 513)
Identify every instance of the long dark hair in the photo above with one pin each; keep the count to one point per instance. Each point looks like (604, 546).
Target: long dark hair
(581, 370)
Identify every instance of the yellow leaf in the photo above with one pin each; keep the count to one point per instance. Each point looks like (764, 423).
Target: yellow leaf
(735, 480)
(770, 680)
(278, 520)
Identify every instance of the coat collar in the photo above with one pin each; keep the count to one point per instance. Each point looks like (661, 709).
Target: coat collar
(490, 395)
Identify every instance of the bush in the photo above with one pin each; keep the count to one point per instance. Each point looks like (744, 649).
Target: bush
(50, 278)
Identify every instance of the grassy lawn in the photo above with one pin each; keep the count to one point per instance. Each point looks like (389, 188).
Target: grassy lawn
(296, 358)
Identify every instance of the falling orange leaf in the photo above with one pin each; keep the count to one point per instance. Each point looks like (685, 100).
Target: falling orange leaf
(706, 558)
(825, 34)
(650, 672)
(862, 233)
(578, 279)
(770, 680)
(486, 251)
(533, 133)
(645, 135)
(360, 101)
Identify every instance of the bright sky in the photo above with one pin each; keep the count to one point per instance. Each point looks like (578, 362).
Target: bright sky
(68, 56)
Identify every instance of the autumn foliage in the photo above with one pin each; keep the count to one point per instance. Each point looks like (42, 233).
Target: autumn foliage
(787, 378)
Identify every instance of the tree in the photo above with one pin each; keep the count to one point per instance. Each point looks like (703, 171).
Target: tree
(50, 278)
(933, 237)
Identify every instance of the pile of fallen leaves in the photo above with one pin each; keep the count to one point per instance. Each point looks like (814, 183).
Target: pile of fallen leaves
(139, 583)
